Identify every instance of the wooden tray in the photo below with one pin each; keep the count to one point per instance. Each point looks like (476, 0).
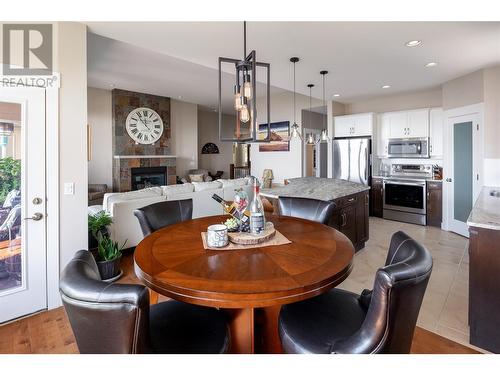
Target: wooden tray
(250, 239)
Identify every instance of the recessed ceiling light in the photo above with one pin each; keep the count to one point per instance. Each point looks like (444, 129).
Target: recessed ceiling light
(386, 86)
(336, 95)
(413, 43)
(179, 97)
(431, 64)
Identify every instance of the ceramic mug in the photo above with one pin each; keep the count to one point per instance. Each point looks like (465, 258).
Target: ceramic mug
(217, 235)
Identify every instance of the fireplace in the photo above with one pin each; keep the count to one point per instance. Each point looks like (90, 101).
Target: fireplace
(148, 177)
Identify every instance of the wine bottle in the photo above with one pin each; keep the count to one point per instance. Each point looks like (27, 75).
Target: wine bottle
(231, 208)
(257, 216)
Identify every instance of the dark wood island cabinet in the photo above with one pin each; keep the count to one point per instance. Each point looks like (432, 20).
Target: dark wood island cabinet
(484, 272)
(377, 197)
(352, 203)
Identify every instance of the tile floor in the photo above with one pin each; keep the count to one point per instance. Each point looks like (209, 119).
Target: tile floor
(445, 305)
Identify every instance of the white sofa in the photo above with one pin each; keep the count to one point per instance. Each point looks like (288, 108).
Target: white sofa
(121, 206)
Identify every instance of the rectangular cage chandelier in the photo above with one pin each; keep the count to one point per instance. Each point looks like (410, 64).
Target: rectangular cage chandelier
(250, 125)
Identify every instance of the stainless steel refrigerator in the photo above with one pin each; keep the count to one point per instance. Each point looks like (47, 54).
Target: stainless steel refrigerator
(352, 159)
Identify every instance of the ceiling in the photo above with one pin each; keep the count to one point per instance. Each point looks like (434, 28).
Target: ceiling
(180, 58)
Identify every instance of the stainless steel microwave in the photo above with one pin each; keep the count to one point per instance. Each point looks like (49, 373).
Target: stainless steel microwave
(408, 148)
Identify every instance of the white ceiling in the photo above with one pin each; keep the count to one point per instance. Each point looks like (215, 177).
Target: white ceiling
(180, 58)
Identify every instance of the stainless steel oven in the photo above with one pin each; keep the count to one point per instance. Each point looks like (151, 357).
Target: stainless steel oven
(405, 200)
(408, 148)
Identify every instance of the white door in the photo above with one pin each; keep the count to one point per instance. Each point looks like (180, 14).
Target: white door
(22, 201)
(462, 170)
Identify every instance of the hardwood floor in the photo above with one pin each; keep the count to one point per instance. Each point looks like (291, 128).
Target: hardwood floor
(49, 332)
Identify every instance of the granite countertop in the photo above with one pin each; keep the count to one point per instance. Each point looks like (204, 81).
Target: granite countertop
(325, 189)
(486, 210)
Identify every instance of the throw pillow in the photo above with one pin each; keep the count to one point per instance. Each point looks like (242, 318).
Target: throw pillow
(196, 177)
(171, 190)
(212, 185)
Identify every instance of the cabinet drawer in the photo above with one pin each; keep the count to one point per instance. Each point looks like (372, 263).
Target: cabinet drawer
(434, 185)
(346, 201)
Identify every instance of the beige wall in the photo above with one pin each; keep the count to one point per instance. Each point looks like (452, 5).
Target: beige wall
(462, 91)
(184, 127)
(492, 112)
(313, 120)
(71, 63)
(208, 131)
(399, 102)
(100, 120)
(285, 164)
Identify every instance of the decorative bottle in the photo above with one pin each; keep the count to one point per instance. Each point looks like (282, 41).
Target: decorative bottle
(256, 208)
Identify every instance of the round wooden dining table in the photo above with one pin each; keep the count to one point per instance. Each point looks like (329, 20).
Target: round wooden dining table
(250, 285)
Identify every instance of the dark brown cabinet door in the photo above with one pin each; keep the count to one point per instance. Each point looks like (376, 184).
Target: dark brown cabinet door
(348, 223)
(362, 210)
(377, 196)
(434, 204)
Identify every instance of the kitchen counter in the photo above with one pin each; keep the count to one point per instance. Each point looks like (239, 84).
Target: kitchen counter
(486, 210)
(325, 189)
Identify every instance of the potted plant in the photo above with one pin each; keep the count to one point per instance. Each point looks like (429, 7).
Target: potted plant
(109, 253)
(98, 224)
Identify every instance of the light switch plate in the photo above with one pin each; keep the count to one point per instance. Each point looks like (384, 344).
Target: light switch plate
(69, 188)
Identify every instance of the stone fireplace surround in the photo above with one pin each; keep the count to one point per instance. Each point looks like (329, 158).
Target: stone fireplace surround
(130, 155)
(122, 173)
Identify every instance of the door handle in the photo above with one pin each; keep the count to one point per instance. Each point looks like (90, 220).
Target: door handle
(448, 180)
(37, 216)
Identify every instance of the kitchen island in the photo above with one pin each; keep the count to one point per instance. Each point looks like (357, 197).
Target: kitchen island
(484, 270)
(351, 203)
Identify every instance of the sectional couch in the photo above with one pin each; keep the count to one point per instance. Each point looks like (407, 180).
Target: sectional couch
(121, 206)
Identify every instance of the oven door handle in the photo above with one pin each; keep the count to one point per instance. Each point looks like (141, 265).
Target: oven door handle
(404, 183)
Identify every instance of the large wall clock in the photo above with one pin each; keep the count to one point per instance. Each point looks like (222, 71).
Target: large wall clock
(144, 126)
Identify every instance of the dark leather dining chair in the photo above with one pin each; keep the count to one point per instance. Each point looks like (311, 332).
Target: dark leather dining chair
(306, 208)
(117, 318)
(378, 321)
(159, 215)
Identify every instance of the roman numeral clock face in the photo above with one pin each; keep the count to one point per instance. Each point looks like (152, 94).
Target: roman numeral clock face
(144, 126)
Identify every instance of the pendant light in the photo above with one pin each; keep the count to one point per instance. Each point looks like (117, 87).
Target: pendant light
(324, 133)
(294, 129)
(244, 100)
(310, 137)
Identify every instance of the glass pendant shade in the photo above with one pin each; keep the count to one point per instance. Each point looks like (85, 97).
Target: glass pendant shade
(324, 136)
(295, 132)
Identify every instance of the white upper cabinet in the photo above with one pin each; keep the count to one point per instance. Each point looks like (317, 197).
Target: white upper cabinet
(418, 123)
(353, 125)
(409, 124)
(382, 134)
(436, 132)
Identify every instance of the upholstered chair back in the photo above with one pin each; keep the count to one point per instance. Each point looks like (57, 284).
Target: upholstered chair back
(162, 214)
(306, 208)
(105, 318)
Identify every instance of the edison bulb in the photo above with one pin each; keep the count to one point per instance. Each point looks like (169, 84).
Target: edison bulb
(244, 113)
(247, 90)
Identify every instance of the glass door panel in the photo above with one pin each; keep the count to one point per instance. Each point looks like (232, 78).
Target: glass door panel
(11, 238)
(462, 160)
(22, 202)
